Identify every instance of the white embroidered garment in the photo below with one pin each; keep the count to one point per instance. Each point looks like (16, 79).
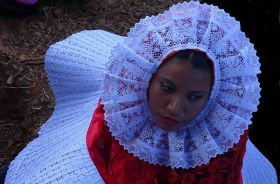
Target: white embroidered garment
(256, 168)
(59, 155)
(235, 94)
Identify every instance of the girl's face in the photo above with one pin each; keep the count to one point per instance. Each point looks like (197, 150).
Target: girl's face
(178, 93)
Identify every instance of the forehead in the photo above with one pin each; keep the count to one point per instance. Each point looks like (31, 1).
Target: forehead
(182, 74)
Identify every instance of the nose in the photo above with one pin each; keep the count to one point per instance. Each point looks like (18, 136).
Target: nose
(175, 106)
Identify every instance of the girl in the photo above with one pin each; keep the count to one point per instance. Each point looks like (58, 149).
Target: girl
(174, 101)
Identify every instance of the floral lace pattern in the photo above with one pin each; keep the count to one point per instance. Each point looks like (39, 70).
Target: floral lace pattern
(235, 93)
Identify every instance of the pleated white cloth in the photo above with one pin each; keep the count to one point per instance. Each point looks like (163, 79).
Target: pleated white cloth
(59, 154)
(234, 95)
(256, 167)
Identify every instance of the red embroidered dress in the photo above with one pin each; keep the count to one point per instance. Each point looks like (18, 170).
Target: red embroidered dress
(116, 165)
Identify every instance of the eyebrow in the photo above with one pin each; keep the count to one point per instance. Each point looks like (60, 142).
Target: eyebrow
(172, 83)
(200, 92)
(166, 80)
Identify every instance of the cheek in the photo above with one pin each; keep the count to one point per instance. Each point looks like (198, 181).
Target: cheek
(194, 109)
(197, 108)
(154, 98)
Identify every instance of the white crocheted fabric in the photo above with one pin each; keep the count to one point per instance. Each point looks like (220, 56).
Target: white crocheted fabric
(59, 155)
(235, 94)
(256, 168)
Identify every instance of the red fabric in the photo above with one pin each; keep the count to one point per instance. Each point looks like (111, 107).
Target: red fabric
(169, 56)
(117, 166)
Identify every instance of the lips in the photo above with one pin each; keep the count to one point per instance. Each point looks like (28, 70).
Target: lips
(169, 120)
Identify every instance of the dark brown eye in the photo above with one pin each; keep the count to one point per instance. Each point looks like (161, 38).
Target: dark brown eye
(166, 87)
(194, 98)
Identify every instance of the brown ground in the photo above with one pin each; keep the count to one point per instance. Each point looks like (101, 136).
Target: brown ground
(26, 100)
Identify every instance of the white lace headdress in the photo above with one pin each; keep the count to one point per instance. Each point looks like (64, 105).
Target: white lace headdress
(235, 93)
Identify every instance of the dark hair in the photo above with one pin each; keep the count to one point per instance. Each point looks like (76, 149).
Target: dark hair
(198, 59)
